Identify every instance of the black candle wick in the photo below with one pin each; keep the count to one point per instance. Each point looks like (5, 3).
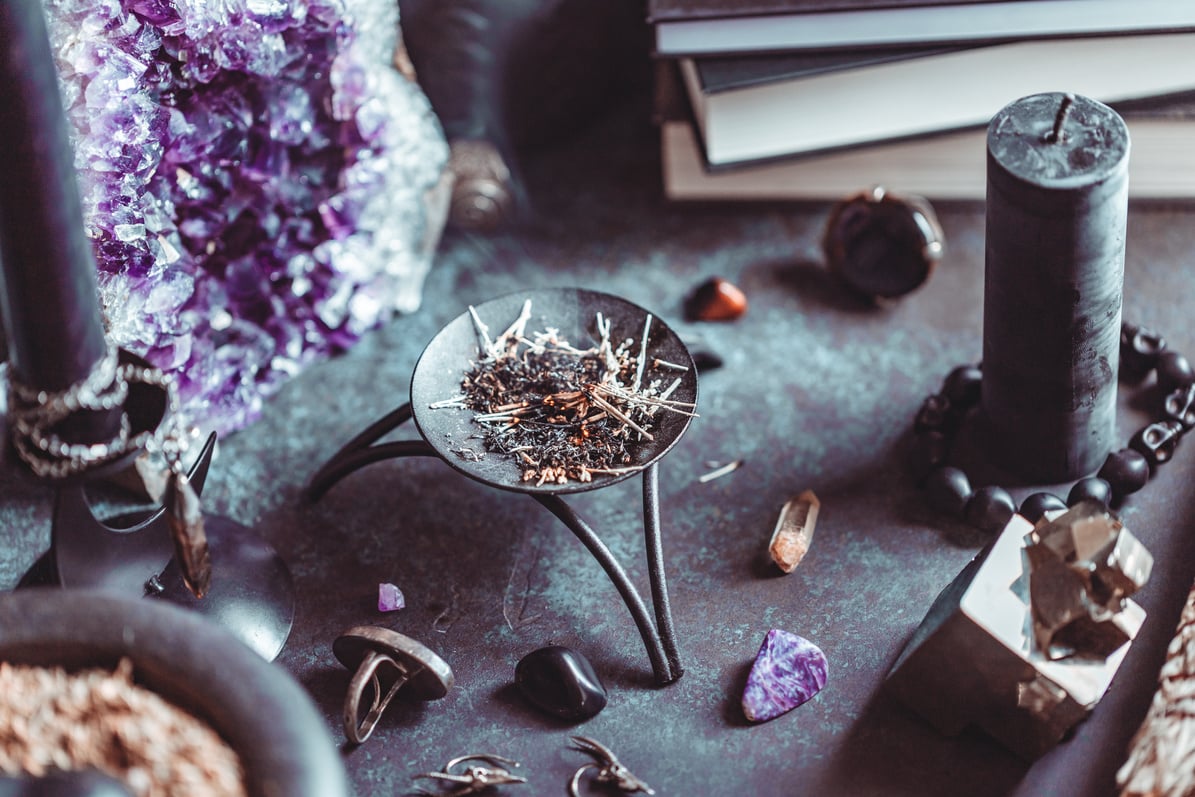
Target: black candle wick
(1055, 135)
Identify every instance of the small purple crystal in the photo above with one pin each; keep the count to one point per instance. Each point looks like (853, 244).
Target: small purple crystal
(390, 598)
(788, 670)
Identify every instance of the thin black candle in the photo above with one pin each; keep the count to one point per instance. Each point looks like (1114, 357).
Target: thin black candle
(50, 300)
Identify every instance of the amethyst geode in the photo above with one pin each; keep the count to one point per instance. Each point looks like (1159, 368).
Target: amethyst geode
(258, 182)
(788, 671)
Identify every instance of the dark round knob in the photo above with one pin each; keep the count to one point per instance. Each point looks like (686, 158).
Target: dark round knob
(882, 246)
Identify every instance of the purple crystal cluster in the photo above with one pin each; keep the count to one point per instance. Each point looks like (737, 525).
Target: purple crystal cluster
(788, 671)
(258, 181)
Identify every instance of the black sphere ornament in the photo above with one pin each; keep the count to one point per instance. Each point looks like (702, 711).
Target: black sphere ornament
(1126, 472)
(1035, 507)
(964, 386)
(989, 509)
(948, 490)
(562, 682)
(1174, 371)
(1093, 488)
(882, 246)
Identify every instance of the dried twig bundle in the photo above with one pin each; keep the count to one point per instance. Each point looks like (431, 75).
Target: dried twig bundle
(1161, 759)
(565, 413)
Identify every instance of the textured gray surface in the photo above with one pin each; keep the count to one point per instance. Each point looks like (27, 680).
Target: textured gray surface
(817, 392)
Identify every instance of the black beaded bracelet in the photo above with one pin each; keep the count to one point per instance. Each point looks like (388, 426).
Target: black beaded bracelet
(948, 489)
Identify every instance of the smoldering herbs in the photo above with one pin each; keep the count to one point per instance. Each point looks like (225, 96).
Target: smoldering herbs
(52, 719)
(564, 413)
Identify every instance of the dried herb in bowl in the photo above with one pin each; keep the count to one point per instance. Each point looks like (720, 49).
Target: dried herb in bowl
(565, 413)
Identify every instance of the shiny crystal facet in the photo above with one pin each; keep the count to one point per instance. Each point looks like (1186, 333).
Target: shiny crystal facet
(794, 531)
(1082, 566)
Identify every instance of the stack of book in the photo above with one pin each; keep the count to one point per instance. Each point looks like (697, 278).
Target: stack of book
(813, 99)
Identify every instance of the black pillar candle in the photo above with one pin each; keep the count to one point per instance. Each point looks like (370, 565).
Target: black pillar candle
(50, 305)
(1057, 206)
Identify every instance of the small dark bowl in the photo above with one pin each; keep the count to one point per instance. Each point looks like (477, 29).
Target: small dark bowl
(572, 311)
(257, 707)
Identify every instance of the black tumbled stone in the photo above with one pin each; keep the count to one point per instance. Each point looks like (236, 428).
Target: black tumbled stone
(947, 490)
(989, 509)
(562, 682)
(1174, 371)
(1035, 507)
(1093, 488)
(1126, 472)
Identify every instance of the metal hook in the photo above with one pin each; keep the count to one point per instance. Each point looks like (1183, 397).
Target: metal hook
(476, 778)
(609, 769)
(408, 664)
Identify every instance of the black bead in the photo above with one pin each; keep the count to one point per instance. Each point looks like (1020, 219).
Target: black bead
(934, 414)
(1035, 507)
(1174, 371)
(1180, 406)
(1126, 472)
(1093, 488)
(947, 490)
(561, 681)
(1139, 349)
(989, 509)
(963, 385)
(1157, 441)
(928, 451)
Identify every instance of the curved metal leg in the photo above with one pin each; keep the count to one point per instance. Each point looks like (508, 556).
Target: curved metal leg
(361, 451)
(655, 568)
(630, 596)
(659, 638)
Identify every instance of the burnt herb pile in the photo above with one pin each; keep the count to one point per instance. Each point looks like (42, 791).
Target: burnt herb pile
(566, 413)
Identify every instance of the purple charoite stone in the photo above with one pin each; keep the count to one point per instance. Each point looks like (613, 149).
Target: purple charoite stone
(788, 670)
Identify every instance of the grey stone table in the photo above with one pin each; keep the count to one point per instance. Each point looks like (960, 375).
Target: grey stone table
(817, 392)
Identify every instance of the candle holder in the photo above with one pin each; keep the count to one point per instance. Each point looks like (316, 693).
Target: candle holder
(251, 592)
(438, 375)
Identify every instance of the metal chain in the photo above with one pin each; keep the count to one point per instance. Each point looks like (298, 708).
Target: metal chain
(34, 414)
